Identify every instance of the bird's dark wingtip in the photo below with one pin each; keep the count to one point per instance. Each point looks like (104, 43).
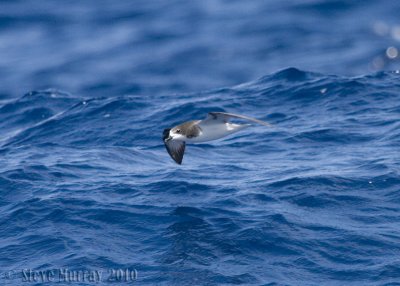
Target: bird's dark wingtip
(176, 149)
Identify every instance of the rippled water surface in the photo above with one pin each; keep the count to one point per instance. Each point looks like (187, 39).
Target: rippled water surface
(86, 182)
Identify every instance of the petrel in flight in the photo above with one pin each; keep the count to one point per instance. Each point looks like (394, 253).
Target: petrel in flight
(215, 126)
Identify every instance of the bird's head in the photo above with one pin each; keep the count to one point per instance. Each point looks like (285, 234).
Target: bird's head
(173, 134)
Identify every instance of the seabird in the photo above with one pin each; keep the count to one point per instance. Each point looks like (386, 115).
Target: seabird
(215, 126)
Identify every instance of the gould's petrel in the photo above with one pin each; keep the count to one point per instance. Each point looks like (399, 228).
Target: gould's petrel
(215, 126)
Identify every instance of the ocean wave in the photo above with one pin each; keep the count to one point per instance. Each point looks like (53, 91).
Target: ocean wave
(87, 181)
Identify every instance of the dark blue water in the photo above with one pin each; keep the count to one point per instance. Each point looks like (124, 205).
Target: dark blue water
(86, 183)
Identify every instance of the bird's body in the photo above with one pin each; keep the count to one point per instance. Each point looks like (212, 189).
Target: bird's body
(215, 126)
(212, 132)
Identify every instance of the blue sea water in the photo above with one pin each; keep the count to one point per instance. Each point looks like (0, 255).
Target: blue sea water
(86, 183)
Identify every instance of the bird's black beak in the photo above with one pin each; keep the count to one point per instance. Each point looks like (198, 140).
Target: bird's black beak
(166, 136)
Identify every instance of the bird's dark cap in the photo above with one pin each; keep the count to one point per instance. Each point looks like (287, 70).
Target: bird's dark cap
(166, 133)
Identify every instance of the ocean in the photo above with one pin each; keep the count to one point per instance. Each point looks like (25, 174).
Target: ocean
(89, 195)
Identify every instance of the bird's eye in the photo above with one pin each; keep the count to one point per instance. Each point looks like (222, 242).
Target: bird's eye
(178, 131)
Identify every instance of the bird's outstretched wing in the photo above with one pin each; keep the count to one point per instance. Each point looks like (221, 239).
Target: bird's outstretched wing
(176, 149)
(225, 117)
